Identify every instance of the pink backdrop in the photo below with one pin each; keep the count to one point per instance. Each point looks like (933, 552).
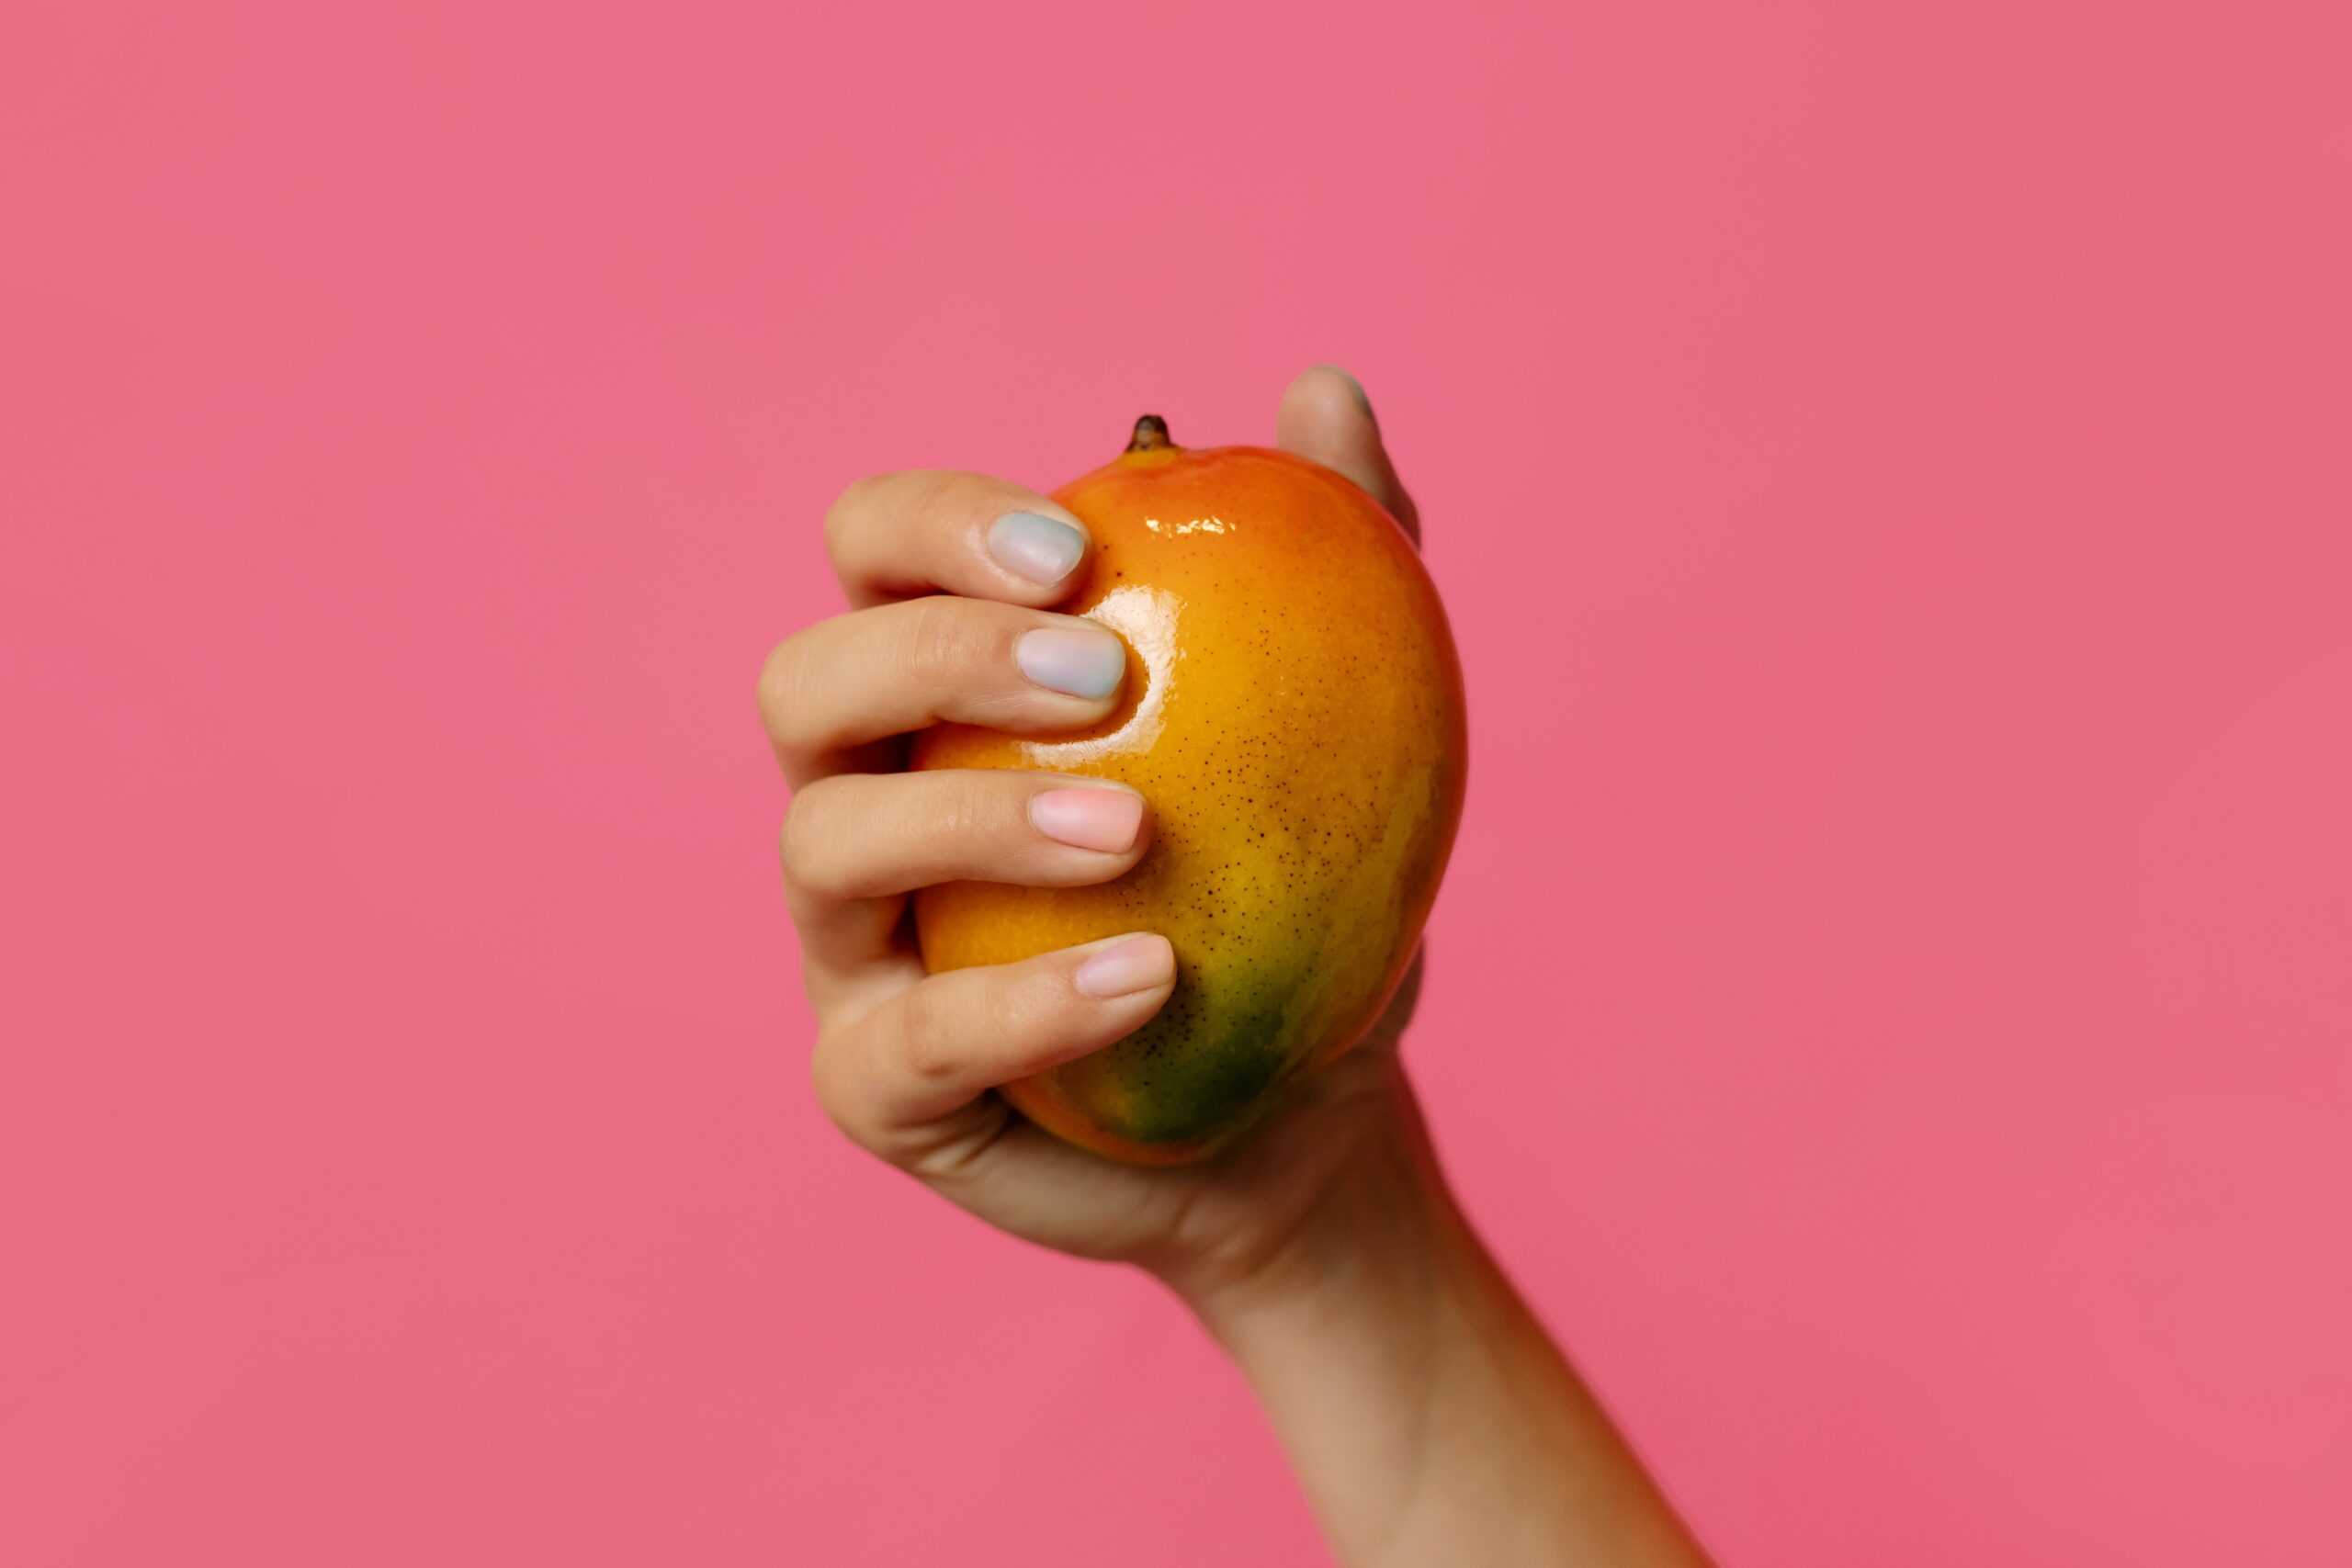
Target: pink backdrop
(1891, 1004)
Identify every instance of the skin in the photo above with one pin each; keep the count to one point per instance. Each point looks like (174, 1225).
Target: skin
(1429, 1417)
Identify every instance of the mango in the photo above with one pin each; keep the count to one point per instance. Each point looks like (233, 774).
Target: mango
(1293, 713)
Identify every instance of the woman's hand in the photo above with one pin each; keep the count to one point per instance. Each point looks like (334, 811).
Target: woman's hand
(953, 579)
(1429, 1417)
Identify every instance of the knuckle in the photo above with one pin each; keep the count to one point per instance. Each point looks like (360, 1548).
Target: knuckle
(828, 1081)
(855, 500)
(1055, 1006)
(944, 641)
(804, 843)
(929, 1018)
(933, 494)
(778, 672)
(965, 815)
(787, 694)
(1030, 1008)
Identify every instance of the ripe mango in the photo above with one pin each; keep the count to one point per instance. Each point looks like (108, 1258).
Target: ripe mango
(1294, 714)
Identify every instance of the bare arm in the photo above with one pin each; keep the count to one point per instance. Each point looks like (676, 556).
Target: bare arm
(1429, 1417)
(1427, 1413)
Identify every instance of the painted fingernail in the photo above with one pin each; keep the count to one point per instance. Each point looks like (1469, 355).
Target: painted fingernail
(1042, 549)
(1105, 819)
(1138, 964)
(1082, 661)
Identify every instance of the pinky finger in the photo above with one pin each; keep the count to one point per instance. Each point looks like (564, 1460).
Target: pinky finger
(908, 1076)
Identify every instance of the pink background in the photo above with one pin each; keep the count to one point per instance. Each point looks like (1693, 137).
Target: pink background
(1891, 1004)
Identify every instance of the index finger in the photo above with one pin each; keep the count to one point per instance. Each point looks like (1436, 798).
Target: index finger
(929, 531)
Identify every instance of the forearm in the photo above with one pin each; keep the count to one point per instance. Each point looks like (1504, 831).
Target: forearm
(1427, 1413)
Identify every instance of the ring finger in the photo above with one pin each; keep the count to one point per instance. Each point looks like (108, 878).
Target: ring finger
(872, 836)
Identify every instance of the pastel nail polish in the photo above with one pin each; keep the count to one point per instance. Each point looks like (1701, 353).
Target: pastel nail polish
(1042, 549)
(1102, 820)
(1138, 964)
(1079, 660)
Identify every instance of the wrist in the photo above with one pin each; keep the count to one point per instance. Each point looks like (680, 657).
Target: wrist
(1382, 1240)
(1428, 1414)
(1376, 1341)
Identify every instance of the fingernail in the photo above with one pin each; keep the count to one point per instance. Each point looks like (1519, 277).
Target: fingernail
(1356, 387)
(1081, 660)
(1042, 549)
(1138, 964)
(1105, 819)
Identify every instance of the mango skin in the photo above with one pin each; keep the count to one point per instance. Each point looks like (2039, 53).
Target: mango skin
(1294, 714)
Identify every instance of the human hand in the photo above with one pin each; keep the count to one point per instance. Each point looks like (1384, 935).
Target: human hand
(951, 577)
(1427, 1414)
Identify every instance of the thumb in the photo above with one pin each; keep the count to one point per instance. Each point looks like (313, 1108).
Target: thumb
(1326, 419)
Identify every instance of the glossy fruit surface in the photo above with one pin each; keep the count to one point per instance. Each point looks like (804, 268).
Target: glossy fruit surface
(1294, 715)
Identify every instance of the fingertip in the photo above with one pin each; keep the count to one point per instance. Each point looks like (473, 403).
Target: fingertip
(1325, 418)
(1347, 377)
(1327, 406)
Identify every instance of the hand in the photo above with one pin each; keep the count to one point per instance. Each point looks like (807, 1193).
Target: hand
(1428, 1414)
(944, 595)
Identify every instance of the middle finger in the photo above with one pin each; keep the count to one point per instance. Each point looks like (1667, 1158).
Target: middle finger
(856, 679)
